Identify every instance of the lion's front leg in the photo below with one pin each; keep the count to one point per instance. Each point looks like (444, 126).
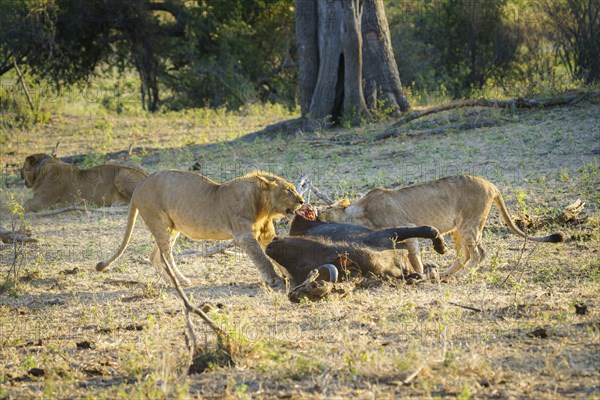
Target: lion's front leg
(267, 271)
(266, 234)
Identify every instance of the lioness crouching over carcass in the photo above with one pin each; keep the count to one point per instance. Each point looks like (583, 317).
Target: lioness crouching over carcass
(458, 204)
(55, 182)
(243, 209)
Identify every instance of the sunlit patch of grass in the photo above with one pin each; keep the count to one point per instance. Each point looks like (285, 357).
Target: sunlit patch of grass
(363, 344)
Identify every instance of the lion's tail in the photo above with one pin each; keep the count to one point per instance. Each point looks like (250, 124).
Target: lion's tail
(553, 238)
(131, 217)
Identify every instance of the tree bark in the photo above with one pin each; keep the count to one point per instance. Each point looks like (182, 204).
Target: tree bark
(327, 96)
(346, 59)
(382, 79)
(137, 33)
(354, 104)
(308, 51)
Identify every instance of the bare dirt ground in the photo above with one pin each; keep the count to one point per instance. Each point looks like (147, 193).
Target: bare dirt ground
(509, 331)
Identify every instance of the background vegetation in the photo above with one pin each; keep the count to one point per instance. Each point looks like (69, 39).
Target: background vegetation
(212, 53)
(524, 325)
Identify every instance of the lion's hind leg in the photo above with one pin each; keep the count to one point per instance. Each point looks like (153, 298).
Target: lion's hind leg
(460, 250)
(473, 249)
(165, 240)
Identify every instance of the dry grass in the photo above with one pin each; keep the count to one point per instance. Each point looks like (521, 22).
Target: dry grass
(99, 338)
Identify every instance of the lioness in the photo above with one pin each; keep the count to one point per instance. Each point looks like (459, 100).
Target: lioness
(56, 182)
(243, 209)
(458, 204)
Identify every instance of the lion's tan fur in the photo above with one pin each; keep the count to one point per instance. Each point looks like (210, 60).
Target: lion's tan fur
(55, 182)
(243, 209)
(458, 205)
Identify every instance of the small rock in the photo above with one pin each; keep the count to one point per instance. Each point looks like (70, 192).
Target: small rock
(581, 309)
(73, 271)
(541, 333)
(134, 327)
(85, 345)
(37, 372)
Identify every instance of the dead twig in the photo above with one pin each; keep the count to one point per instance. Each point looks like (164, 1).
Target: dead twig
(439, 360)
(55, 150)
(214, 250)
(124, 282)
(221, 334)
(412, 376)
(465, 307)
(111, 210)
(304, 186)
(112, 155)
(321, 195)
(520, 258)
(23, 85)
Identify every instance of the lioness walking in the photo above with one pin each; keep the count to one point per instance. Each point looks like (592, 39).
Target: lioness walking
(242, 209)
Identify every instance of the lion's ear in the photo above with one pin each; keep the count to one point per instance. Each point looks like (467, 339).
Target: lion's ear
(32, 159)
(264, 182)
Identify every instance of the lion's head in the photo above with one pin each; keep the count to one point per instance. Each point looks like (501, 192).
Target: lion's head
(31, 167)
(335, 212)
(282, 195)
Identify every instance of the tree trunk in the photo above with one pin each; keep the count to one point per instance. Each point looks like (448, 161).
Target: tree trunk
(354, 104)
(142, 53)
(380, 72)
(308, 51)
(327, 97)
(346, 59)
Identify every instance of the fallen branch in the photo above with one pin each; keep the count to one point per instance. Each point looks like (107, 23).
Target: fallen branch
(485, 123)
(21, 235)
(516, 103)
(304, 186)
(221, 334)
(321, 195)
(214, 250)
(120, 282)
(465, 307)
(111, 210)
(23, 85)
